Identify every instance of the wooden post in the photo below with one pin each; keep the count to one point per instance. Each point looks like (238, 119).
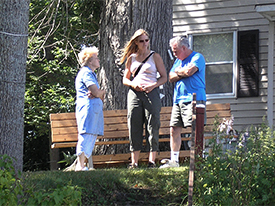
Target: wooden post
(54, 157)
(196, 144)
(199, 130)
(192, 155)
(90, 162)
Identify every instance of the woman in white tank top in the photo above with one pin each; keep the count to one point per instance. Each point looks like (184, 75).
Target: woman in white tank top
(143, 101)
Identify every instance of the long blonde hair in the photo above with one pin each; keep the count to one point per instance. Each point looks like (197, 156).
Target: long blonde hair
(131, 46)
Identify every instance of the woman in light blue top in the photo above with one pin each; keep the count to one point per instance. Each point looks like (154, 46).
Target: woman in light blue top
(89, 106)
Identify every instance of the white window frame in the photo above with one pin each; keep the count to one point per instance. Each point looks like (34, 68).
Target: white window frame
(233, 62)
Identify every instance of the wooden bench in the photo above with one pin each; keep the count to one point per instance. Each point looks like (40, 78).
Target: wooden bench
(64, 132)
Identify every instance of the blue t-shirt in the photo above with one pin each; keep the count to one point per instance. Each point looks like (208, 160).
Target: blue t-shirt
(89, 112)
(185, 87)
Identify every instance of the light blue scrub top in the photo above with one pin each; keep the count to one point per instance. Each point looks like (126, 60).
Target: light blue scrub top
(89, 112)
(185, 87)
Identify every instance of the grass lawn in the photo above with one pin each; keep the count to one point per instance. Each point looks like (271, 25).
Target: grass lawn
(118, 186)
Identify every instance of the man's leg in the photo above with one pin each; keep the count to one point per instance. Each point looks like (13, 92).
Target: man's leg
(175, 143)
(176, 125)
(175, 138)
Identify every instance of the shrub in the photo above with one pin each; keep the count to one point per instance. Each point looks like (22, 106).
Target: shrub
(244, 176)
(13, 193)
(10, 184)
(62, 195)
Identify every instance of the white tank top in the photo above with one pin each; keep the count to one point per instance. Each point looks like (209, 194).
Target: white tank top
(148, 72)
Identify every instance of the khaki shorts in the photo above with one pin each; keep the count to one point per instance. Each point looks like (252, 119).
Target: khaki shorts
(182, 114)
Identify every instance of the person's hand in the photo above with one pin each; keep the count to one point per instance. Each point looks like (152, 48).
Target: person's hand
(181, 71)
(137, 87)
(148, 88)
(103, 95)
(186, 71)
(89, 94)
(178, 69)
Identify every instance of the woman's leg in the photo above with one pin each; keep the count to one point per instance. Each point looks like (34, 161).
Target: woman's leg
(135, 124)
(152, 122)
(80, 162)
(135, 156)
(84, 148)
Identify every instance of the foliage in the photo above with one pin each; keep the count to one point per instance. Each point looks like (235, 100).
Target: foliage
(10, 184)
(62, 195)
(12, 191)
(57, 31)
(68, 158)
(244, 176)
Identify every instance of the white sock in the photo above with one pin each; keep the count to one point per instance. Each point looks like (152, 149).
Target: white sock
(175, 156)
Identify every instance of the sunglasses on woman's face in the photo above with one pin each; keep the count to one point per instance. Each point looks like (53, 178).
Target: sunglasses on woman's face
(141, 41)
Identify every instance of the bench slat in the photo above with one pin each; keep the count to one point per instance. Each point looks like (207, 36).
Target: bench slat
(62, 116)
(216, 107)
(221, 114)
(115, 113)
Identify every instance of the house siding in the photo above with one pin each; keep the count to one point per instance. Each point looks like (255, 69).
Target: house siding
(210, 16)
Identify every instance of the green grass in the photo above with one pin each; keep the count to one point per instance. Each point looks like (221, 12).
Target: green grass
(118, 186)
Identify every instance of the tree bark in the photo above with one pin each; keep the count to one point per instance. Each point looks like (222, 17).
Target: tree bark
(119, 20)
(13, 56)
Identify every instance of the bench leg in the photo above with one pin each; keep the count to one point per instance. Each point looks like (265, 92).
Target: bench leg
(90, 162)
(54, 158)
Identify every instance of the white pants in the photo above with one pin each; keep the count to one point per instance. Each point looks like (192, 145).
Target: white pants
(86, 143)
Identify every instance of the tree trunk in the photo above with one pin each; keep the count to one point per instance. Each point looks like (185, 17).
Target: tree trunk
(119, 20)
(13, 56)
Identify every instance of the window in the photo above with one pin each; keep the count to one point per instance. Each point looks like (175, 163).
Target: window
(231, 71)
(220, 72)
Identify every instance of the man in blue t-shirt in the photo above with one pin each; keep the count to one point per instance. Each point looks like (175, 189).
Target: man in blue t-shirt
(188, 73)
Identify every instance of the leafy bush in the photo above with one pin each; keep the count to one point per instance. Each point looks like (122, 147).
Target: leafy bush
(10, 184)
(244, 176)
(12, 191)
(62, 195)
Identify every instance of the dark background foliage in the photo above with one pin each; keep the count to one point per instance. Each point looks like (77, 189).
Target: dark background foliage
(57, 31)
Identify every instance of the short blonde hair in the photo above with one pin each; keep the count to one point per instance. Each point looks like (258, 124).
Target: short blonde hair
(86, 54)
